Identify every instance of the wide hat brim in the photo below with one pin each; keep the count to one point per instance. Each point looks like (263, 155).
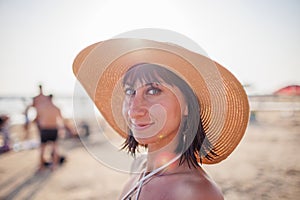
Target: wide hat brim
(224, 104)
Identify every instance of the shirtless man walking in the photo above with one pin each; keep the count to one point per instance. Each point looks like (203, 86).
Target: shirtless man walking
(49, 120)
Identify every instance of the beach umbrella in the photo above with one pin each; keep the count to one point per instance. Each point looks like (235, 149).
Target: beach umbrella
(291, 90)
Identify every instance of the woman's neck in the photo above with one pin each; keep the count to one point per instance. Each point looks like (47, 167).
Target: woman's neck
(158, 157)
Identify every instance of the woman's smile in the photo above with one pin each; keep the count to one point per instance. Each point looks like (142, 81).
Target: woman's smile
(139, 126)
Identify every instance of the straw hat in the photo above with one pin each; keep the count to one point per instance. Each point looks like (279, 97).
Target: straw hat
(224, 104)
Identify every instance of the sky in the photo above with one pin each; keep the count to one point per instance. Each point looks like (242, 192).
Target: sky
(257, 40)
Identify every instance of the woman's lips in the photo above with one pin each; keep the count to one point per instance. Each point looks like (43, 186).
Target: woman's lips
(141, 126)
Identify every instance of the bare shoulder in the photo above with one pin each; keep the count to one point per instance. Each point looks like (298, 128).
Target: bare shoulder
(199, 186)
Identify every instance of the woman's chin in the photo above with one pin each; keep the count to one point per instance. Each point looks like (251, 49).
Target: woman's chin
(144, 141)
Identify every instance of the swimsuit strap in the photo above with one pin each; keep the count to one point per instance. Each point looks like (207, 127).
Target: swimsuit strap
(140, 186)
(147, 177)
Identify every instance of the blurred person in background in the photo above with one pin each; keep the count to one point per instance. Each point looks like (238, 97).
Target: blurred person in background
(4, 129)
(49, 121)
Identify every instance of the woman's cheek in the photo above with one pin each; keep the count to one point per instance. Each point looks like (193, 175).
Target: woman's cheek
(159, 115)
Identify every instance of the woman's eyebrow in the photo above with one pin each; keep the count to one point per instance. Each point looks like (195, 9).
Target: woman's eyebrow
(149, 84)
(128, 85)
(145, 85)
(152, 83)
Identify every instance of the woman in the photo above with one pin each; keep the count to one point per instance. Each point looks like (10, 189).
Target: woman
(184, 108)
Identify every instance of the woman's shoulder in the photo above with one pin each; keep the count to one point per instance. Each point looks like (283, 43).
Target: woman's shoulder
(181, 184)
(199, 187)
(195, 184)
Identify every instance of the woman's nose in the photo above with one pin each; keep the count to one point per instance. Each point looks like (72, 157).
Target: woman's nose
(137, 107)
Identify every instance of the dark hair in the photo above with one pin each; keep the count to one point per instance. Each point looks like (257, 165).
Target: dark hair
(192, 138)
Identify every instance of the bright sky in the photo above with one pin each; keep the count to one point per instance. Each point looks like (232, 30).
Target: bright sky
(257, 40)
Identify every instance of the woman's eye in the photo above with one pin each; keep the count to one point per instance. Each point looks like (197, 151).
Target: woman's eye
(153, 91)
(129, 92)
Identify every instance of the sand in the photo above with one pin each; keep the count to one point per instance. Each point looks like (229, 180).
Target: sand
(265, 165)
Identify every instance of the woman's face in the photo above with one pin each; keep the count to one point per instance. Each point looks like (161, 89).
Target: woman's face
(153, 111)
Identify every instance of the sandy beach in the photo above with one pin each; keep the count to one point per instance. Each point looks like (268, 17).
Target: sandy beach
(264, 166)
